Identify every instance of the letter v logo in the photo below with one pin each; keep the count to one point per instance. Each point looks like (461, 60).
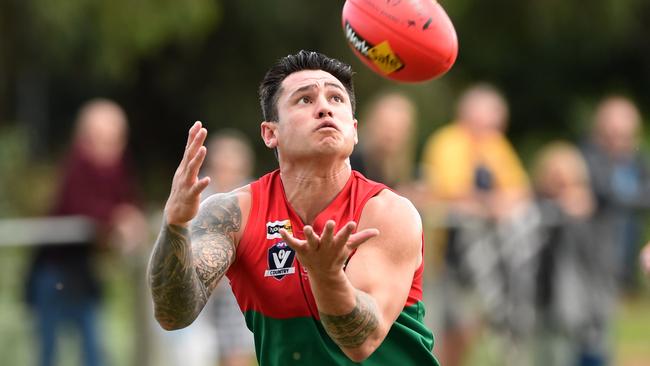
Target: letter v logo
(280, 258)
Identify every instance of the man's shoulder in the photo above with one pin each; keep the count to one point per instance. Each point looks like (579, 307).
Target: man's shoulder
(390, 208)
(237, 196)
(387, 198)
(230, 207)
(398, 222)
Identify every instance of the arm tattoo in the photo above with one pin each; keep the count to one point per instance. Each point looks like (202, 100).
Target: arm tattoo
(214, 248)
(183, 272)
(177, 295)
(352, 329)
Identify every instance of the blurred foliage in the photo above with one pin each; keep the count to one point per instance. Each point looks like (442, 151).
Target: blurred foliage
(170, 63)
(552, 57)
(25, 186)
(16, 324)
(105, 38)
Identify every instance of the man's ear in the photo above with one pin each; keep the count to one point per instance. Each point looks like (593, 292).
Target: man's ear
(268, 131)
(356, 134)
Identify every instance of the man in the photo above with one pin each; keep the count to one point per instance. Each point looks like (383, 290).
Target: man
(620, 177)
(96, 183)
(325, 264)
(386, 151)
(619, 173)
(219, 335)
(473, 171)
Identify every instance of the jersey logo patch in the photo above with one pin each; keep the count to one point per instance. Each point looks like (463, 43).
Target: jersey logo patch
(280, 261)
(273, 228)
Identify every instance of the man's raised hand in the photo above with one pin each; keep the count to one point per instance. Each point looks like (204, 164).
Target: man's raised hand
(184, 198)
(327, 253)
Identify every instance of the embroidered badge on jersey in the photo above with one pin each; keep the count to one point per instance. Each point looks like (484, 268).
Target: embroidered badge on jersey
(280, 260)
(273, 228)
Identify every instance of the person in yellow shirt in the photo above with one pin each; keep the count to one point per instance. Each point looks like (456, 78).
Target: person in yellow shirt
(469, 164)
(472, 169)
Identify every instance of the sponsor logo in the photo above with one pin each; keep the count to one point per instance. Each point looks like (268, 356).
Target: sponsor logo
(356, 41)
(382, 55)
(280, 261)
(273, 228)
(384, 58)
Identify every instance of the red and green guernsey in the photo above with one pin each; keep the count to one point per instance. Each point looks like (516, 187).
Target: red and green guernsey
(274, 294)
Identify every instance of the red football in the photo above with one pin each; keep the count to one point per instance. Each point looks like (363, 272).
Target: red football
(402, 40)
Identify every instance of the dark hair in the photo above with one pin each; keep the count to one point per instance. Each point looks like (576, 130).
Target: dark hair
(270, 87)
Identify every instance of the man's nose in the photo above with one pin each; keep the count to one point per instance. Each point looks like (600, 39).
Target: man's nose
(323, 108)
(324, 113)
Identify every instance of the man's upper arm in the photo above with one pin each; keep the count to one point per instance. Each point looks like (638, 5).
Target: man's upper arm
(215, 232)
(384, 266)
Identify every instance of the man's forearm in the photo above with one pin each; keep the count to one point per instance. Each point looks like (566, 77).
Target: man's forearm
(350, 316)
(178, 294)
(352, 329)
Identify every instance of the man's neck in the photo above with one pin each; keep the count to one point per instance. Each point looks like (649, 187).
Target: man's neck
(310, 189)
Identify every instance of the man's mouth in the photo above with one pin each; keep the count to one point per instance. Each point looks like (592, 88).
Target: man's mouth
(327, 124)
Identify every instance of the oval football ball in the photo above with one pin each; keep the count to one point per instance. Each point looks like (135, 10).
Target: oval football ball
(402, 40)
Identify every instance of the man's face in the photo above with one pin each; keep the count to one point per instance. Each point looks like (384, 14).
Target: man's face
(103, 135)
(390, 125)
(314, 117)
(229, 161)
(484, 113)
(618, 127)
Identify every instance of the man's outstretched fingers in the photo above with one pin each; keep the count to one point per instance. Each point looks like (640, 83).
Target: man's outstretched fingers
(312, 239)
(328, 232)
(342, 237)
(361, 237)
(294, 243)
(190, 134)
(195, 164)
(197, 142)
(199, 186)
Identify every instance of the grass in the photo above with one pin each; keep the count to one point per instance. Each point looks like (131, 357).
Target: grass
(632, 332)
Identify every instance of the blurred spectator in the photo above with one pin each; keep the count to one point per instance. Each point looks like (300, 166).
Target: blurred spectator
(620, 176)
(471, 164)
(229, 164)
(386, 153)
(471, 167)
(97, 183)
(221, 326)
(645, 258)
(575, 296)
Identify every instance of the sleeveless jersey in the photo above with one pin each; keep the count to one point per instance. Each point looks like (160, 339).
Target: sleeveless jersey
(273, 290)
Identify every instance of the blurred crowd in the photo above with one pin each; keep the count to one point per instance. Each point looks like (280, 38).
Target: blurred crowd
(535, 257)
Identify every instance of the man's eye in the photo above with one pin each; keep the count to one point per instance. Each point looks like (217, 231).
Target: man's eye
(337, 98)
(304, 100)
